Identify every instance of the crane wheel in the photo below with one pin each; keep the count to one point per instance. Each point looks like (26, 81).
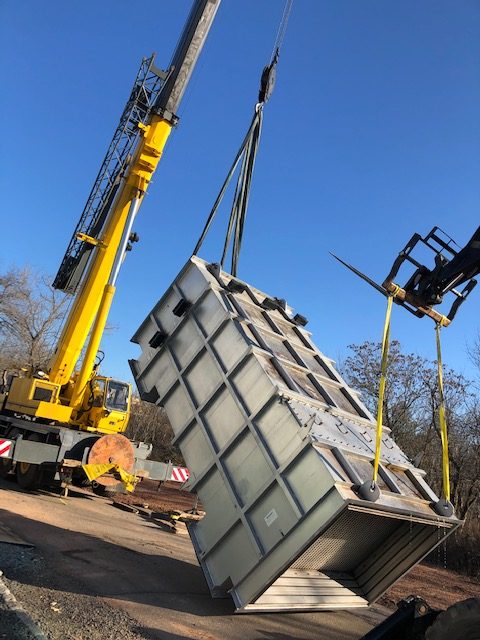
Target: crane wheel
(461, 621)
(28, 475)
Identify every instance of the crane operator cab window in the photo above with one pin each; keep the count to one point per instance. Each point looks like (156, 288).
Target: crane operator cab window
(98, 391)
(117, 396)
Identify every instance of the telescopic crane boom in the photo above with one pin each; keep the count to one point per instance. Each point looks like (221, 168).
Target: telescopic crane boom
(94, 257)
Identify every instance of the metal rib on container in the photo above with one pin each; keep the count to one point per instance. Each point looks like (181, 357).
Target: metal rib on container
(277, 444)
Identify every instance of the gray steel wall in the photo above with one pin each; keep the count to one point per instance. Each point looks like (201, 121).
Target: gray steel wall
(277, 444)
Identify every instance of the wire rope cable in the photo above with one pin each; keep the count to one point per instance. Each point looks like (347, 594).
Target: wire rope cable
(245, 159)
(282, 27)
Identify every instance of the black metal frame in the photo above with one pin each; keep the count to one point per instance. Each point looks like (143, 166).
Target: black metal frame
(430, 286)
(409, 622)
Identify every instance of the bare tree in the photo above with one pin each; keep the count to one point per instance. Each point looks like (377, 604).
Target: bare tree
(30, 316)
(411, 412)
(473, 350)
(149, 423)
(404, 394)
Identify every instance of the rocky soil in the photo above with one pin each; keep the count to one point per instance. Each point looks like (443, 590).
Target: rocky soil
(53, 604)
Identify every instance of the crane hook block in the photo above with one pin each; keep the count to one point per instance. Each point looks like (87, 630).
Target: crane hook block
(267, 82)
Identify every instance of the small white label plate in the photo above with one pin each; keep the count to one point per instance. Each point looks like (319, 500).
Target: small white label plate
(271, 517)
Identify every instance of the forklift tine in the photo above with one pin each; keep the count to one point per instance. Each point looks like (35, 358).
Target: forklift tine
(361, 275)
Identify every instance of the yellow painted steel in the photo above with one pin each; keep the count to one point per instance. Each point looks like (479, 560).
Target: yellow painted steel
(94, 415)
(94, 471)
(94, 343)
(88, 239)
(89, 312)
(86, 304)
(25, 395)
(442, 418)
(105, 421)
(57, 412)
(381, 390)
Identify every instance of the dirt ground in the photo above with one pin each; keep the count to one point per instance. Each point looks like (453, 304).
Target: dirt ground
(85, 570)
(96, 572)
(436, 584)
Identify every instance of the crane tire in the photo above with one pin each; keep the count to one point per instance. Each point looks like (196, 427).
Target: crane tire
(29, 475)
(78, 481)
(461, 621)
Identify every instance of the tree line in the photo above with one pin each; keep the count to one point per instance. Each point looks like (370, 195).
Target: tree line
(411, 412)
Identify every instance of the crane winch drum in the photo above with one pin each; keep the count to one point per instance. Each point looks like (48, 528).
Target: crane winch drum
(277, 445)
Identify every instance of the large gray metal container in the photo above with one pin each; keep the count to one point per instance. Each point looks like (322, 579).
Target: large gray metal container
(277, 444)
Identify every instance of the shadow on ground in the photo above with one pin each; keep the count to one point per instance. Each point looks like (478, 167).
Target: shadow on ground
(79, 563)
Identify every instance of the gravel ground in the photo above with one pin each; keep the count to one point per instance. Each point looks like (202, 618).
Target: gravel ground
(11, 628)
(61, 615)
(114, 574)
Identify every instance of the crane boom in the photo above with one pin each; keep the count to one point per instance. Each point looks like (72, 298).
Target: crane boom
(138, 109)
(92, 262)
(147, 156)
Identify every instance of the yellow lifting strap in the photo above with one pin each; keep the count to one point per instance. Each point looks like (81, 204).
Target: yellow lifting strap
(94, 471)
(442, 417)
(381, 387)
(381, 395)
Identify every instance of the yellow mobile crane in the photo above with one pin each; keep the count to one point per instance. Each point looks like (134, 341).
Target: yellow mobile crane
(36, 409)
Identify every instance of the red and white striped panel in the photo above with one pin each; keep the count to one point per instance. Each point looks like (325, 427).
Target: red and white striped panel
(180, 474)
(5, 448)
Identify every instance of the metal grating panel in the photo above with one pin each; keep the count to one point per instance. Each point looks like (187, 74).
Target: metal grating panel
(336, 550)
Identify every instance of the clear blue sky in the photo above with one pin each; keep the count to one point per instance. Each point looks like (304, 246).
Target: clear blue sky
(372, 133)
